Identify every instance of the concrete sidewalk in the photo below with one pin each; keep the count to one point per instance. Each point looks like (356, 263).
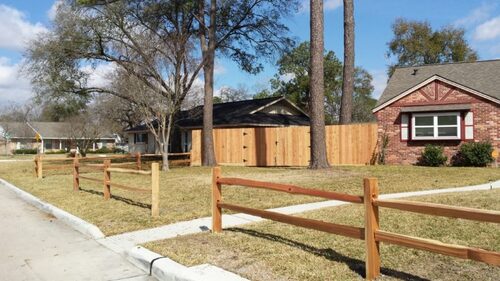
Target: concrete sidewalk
(37, 246)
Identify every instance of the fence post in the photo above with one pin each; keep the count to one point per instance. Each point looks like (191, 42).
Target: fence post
(371, 226)
(107, 179)
(216, 198)
(155, 189)
(36, 166)
(39, 171)
(76, 178)
(138, 160)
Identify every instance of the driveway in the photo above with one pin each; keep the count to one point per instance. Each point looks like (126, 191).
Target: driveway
(36, 246)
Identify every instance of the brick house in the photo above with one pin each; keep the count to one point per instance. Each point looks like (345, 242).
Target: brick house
(443, 104)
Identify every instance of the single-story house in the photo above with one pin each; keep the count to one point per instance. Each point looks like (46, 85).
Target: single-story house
(44, 136)
(267, 112)
(443, 104)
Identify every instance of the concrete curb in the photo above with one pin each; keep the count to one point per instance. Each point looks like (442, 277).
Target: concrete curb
(75, 222)
(163, 267)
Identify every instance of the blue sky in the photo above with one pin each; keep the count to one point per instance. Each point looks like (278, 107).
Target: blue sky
(21, 20)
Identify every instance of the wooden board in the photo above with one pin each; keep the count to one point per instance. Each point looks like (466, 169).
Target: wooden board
(339, 229)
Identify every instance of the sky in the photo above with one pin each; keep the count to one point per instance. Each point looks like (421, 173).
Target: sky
(22, 20)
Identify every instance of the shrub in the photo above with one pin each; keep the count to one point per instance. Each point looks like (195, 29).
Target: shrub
(432, 156)
(383, 148)
(475, 154)
(119, 150)
(103, 150)
(25, 151)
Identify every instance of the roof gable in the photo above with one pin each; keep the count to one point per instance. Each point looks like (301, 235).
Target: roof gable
(480, 78)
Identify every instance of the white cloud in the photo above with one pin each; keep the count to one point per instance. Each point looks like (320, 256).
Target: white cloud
(13, 87)
(488, 30)
(476, 16)
(332, 4)
(328, 5)
(379, 82)
(99, 75)
(15, 29)
(51, 13)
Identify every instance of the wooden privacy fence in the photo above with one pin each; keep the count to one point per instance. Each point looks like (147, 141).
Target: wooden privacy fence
(288, 146)
(107, 183)
(371, 232)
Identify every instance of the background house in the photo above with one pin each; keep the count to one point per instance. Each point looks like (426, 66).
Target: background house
(268, 112)
(55, 135)
(446, 104)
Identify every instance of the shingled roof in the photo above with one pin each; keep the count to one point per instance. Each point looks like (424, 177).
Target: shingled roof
(244, 113)
(481, 76)
(48, 130)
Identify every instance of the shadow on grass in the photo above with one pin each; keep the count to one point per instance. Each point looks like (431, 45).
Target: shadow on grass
(356, 265)
(118, 198)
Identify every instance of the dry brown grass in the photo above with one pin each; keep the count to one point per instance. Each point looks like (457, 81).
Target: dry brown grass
(185, 192)
(275, 251)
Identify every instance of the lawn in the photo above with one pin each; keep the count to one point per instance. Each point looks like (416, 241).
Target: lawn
(275, 251)
(185, 192)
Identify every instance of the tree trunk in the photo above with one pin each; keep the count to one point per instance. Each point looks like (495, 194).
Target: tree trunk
(166, 140)
(208, 51)
(164, 157)
(348, 74)
(317, 88)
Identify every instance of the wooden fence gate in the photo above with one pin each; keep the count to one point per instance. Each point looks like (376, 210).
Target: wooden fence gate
(288, 146)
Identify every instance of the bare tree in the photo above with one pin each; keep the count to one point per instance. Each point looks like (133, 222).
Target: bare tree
(19, 112)
(5, 135)
(348, 74)
(317, 88)
(228, 94)
(84, 130)
(151, 42)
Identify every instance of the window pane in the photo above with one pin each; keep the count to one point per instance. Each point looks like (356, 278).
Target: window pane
(447, 120)
(447, 131)
(424, 132)
(424, 121)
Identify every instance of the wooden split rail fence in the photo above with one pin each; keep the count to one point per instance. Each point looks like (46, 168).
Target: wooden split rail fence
(371, 232)
(42, 164)
(107, 183)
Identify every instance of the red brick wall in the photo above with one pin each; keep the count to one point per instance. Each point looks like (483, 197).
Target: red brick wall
(486, 121)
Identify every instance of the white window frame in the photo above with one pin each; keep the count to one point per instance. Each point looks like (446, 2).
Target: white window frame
(435, 125)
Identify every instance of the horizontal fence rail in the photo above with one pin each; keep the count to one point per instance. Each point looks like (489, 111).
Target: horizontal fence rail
(339, 229)
(435, 246)
(129, 171)
(441, 210)
(292, 189)
(371, 233)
